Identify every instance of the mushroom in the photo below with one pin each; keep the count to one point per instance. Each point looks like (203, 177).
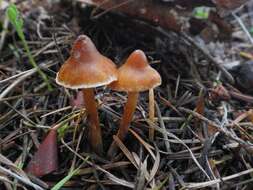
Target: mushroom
(87, 69)
(135, 76)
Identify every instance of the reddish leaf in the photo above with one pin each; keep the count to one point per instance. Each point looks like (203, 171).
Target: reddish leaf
(200, 108)
(219, 93)
(45, 159)
(211, 130)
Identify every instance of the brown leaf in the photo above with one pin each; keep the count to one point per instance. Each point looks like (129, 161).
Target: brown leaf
(45, 159)
(250, 115)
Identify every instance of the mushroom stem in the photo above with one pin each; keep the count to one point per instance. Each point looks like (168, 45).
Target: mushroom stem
(95, 137)
(151, 114)
(129, 109)
(128, 114)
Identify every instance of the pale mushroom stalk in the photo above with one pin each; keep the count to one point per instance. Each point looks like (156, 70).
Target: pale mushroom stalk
(95, 136)
(151, 114)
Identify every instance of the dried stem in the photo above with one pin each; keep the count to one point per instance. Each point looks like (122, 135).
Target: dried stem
(151, 114)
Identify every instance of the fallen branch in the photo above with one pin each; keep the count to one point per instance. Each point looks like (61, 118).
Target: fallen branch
(167, 15)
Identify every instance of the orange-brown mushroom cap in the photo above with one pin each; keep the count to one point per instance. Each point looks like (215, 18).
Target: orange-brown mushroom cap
(136, 75)
(86, 67)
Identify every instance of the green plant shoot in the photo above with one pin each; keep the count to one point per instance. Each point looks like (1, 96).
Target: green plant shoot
(61, 183)
(201, 13)
(17, 22)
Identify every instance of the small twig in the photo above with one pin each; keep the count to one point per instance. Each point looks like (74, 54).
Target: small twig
(15, 76)
(167, 143)
(109, 175)
(213, 182)
(94, 16)
(165, 132)
(151, 113)
(20, 79)
(4, 32)
(243, 27)
(241, 96)
(247, 146)
(16, 82)
(219, 65)
(56, 111)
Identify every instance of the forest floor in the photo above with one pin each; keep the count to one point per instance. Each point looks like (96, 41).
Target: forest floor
(204, 115)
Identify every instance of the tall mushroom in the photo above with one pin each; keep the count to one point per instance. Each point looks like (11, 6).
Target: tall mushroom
(87, 69)
(134, 76)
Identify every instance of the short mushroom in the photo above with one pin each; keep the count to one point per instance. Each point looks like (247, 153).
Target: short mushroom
(135, 76)
(87, 69)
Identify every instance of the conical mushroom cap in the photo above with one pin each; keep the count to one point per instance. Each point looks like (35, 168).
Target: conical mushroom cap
(86, 67)
(136, 75)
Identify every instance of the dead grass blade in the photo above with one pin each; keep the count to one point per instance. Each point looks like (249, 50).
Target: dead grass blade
(106, 167)
(155, 167)
(167, 143)
(213, 182)
(151, 113)
(147, 146)
(125, 150)
(108, 174)
(12, 166)
(120, 181)
(247, 146)
(138, 160)
(164, 132)
(142, 171)
(20, 178)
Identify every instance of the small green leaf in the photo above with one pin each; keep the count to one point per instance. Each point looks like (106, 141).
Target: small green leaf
(201, 13)
(64, 180)
(15, 19)
(67, 178)
(62, 130)
(12, 13)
